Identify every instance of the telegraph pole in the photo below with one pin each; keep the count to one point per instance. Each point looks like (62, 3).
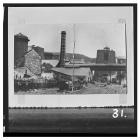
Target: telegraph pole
(124, 21)
(73, 57)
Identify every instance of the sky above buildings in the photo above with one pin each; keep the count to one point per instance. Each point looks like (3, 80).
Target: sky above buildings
(95, 28)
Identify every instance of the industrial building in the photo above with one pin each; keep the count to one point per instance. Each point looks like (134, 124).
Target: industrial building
(20, 46)
(105, 56)
(31, 62)
(70, 73)
(27, 60)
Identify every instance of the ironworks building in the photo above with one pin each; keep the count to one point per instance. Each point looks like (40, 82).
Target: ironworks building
(20, 46)
(104, 56)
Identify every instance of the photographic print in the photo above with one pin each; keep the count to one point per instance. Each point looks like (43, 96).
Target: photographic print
(70, 58)
(71, 69)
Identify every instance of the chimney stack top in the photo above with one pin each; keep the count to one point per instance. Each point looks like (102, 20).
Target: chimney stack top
(63, 32)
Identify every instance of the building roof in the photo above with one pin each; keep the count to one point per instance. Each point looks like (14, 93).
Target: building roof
(22, 36)
(106, 48)
(70, 72)
(32, 51)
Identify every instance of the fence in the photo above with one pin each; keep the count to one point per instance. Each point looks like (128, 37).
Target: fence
(25, 85)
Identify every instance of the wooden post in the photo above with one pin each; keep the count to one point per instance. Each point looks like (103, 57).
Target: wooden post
(110, 76)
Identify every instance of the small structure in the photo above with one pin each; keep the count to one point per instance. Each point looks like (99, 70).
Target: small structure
(23, 73)
(121, 60)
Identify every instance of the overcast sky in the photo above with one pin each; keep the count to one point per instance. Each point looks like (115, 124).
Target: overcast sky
(95, 27)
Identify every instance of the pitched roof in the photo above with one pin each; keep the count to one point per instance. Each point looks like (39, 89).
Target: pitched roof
(70, 71)
(32, 50)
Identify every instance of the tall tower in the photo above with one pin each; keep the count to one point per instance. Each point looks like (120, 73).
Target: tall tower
(104, 56)
(62, 50)
(20, 46)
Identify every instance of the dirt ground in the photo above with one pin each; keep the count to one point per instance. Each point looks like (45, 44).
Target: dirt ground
(90, 89)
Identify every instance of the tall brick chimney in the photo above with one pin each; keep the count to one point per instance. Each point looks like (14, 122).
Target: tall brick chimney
(62, 50)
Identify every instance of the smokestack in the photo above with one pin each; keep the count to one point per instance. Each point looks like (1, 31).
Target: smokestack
(62, 50)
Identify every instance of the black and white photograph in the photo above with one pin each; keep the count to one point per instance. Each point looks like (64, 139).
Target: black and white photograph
(71, 68)
(70, 59)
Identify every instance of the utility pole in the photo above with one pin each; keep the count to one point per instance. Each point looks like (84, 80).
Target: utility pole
(124, 22)
(73, 57)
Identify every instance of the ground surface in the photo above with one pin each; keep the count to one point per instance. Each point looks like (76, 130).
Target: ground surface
(90, 89)
(82, 120)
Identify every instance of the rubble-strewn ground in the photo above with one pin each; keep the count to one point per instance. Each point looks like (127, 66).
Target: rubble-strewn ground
(73, 120)
(90, 89)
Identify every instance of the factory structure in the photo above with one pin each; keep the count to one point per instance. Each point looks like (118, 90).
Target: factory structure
(27, 63)
(105, 56)
(70, 73)
(31, 62)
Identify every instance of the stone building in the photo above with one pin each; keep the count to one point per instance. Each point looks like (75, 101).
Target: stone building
(25, 58)
(30, 60)
(105, 56)
(20, 46)
(33, 62)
